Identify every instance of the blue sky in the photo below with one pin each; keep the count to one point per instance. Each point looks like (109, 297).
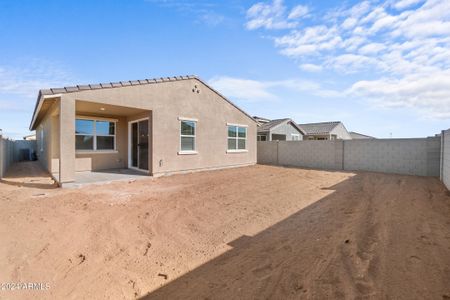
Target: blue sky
(381, 67)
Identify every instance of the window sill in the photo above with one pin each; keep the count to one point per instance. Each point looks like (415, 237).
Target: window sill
(96, 151)
(237, 151)
(187, 152)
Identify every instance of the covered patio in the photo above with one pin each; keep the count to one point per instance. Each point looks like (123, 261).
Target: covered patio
(99, 142)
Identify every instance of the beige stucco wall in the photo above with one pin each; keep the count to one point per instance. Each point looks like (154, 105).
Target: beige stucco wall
(48, 148)
(167, 102)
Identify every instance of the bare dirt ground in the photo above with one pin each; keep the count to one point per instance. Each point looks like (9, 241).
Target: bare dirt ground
(250, 233)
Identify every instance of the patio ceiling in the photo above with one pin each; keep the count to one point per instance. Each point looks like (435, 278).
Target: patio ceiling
(85, 107)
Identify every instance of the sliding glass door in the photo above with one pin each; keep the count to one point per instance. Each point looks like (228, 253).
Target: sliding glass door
(139, 136)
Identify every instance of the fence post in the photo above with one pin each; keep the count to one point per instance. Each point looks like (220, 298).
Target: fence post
(278, 153)
(343, 155)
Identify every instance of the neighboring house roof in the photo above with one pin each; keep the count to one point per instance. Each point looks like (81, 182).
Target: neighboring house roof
(319, 128)
(261, 120)
(356, 135)
(30, 137)
(266, 127)
(79, 88)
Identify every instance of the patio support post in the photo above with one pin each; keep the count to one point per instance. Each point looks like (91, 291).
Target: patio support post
(66, 140)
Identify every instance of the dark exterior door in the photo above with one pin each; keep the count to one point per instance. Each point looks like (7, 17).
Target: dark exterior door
(139, 144)
(143, 145)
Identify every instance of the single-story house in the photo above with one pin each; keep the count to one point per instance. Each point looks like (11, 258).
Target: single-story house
(157, 126)
(325, 131)
(278, 130)
(360, 136)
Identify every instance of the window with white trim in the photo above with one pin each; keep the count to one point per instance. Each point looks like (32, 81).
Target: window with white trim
(237, 138)
(261, 138)
(95, 135)
(187, 135)
(295, 137)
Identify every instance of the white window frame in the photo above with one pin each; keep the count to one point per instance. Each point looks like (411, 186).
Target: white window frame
(295, 135)
(195, 121)
(237, 138)
(94, 134)
(258, 137)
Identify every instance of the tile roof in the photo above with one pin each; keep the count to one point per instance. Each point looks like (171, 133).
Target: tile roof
(264, 127)
(319, 128)
(267, 126)
(261, 119)
(109, 85)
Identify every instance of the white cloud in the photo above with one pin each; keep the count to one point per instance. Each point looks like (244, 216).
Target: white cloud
(309, 41)
(430, 95)
(353, 63)
(272, 15)
(311, 67)
(242, 89)
(204, 12)
(383, 41)
(406, 3)
(385, 21)
(260, 91)
(298, 12)
(349, 23)
(19, 85)
(372, 48)
(211, 18)
(31, 76)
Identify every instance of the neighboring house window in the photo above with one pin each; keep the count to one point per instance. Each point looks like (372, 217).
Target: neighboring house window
(237, 137)
(93, 135)
(187, 136)
(261, 138)
(295, 137)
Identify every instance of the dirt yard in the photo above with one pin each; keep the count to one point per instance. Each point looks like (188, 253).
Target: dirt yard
(258, 232)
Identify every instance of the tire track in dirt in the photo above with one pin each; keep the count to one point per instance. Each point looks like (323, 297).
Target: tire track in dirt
(349, 270)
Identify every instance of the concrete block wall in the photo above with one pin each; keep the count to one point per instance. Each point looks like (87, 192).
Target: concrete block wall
(311, 154)
(19, 145)
(445, 161)
(433, 156)
(10, 152)
(400, 156)
(267, 153)
(6, 155)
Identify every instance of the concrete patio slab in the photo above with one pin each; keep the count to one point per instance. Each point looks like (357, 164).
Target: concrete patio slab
(104, 176)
